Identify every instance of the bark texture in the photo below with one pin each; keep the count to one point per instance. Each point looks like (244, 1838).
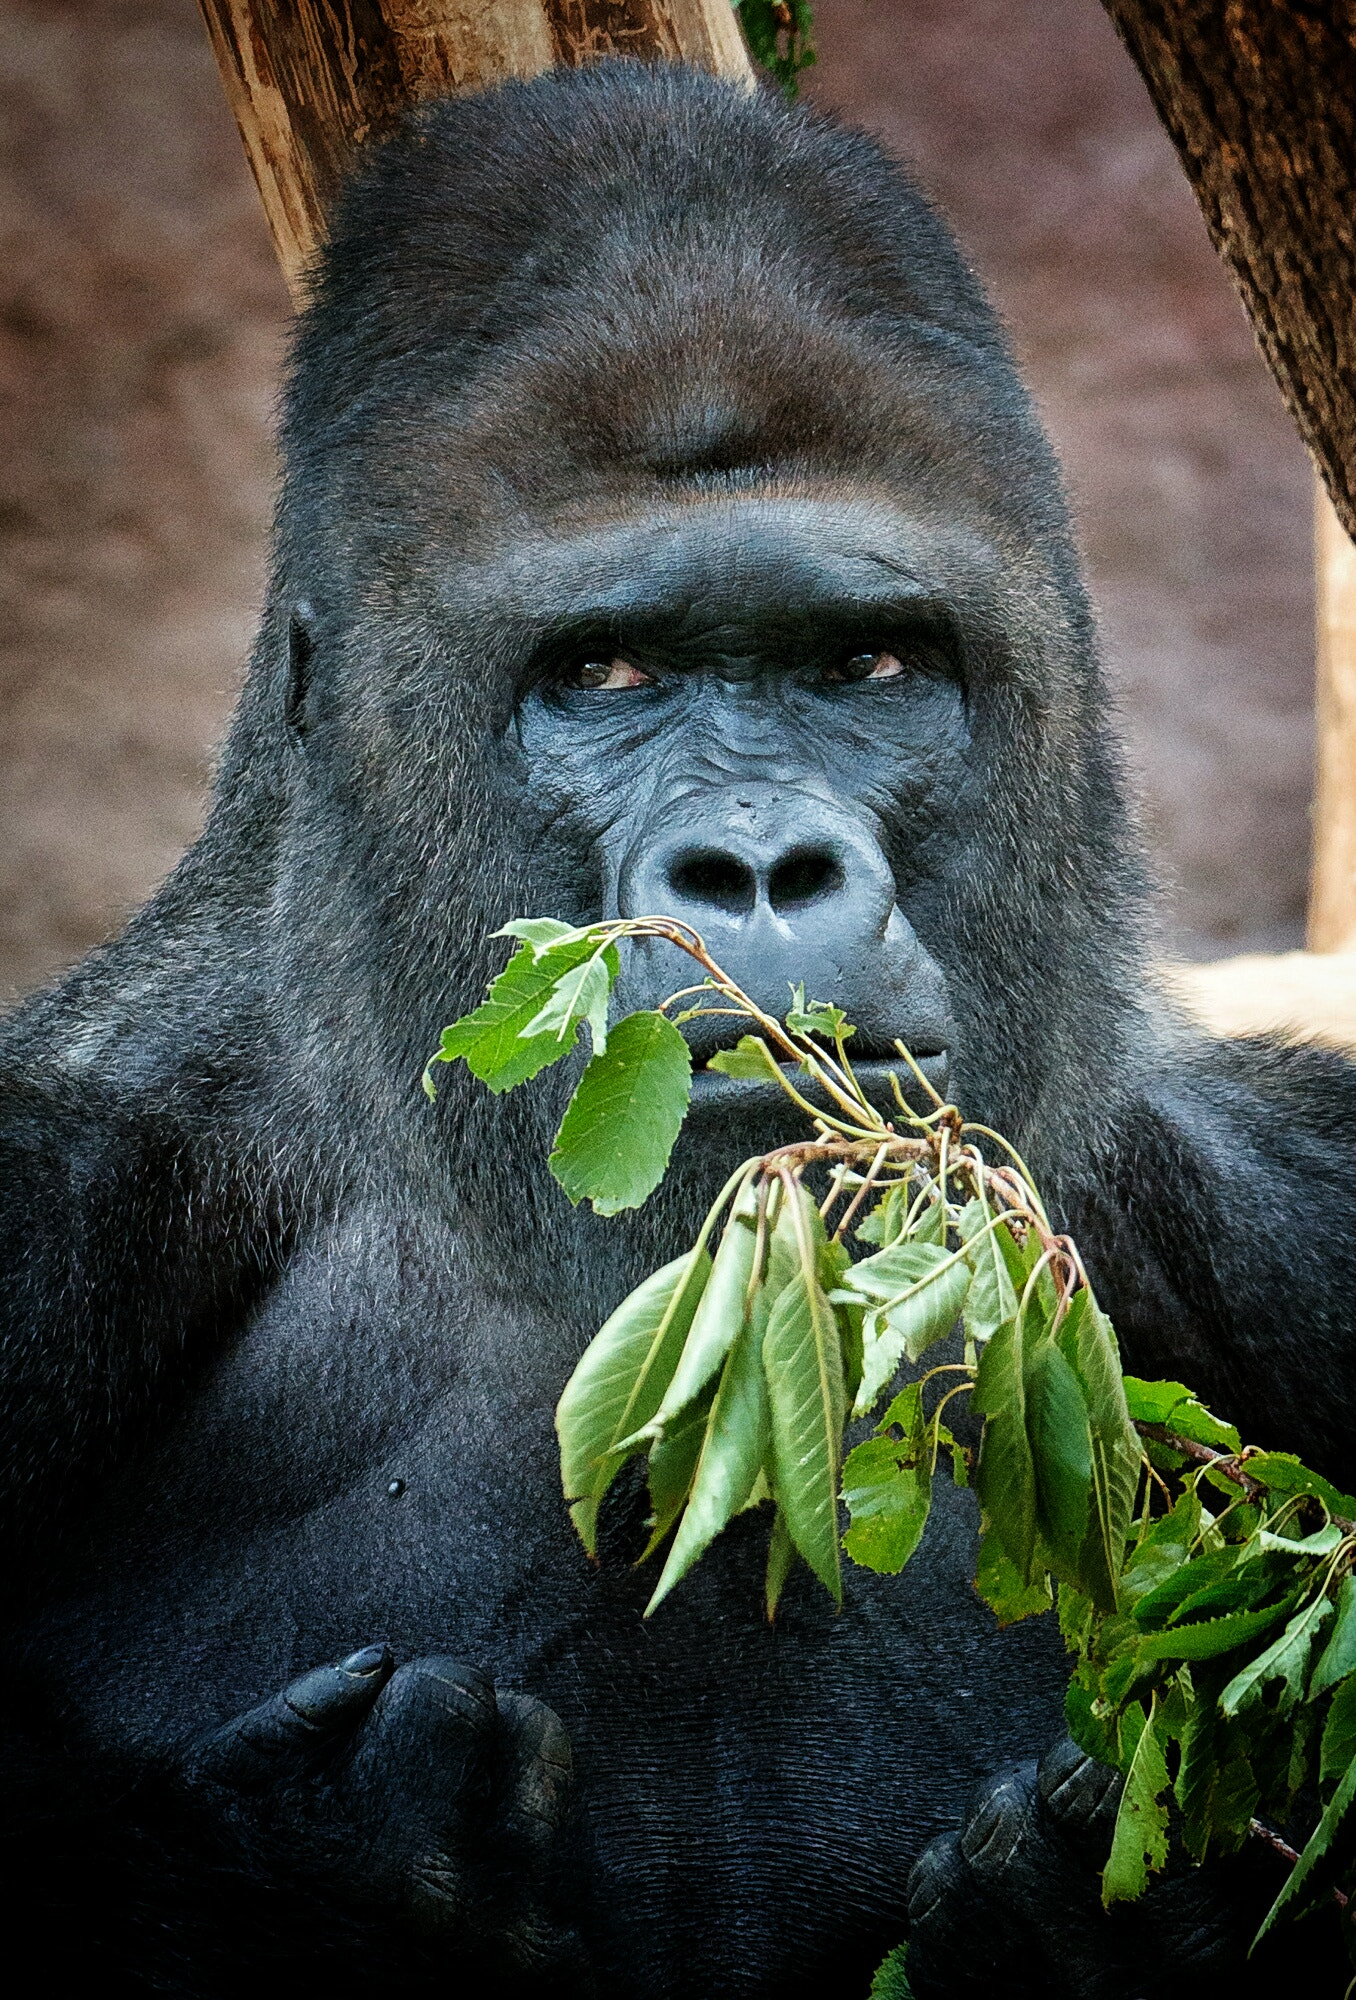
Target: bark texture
(1260, 98)
(310, 80)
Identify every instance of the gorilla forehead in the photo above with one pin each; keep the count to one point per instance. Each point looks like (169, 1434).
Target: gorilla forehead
(620, 279)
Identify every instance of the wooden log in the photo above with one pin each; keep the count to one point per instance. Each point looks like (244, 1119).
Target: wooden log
(310, 81)
(1332, 890)
(1260, 99)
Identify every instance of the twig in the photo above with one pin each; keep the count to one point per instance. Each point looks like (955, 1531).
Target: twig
(1260, 1831)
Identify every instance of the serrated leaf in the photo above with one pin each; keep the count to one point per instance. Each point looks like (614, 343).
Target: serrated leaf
(1086, 1341)
(1215, 1789)
(781, 1554)
(887, 1487)
(991, 1301)
(672, 1464)
(1139, 1844)
(1339, 1734)
(750, 1059)
(1000, 1584)
(917, 1291)
(490, 1039)
(620, 1379)
(892, 1980)
(1317, 1846)
(730, 1463)
(803, 1362)
(1282, 1472)
(720, 1315)
(1286, 1659)
(1005, 1476)
(581, 994)
(1210, 1637)
(543, 932)
(618, 1130)
(1178, 1409)
(1338, 1658)
(818, 1017)
(1061, 1454)
(1209, 1586)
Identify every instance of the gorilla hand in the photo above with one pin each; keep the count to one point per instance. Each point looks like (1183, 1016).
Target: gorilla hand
(418, 1793)
(1012, 1902)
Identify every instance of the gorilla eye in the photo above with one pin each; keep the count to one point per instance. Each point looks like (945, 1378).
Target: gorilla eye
(607, 674)
(867, 667)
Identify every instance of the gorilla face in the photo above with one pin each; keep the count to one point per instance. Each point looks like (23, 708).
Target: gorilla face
(751, 715)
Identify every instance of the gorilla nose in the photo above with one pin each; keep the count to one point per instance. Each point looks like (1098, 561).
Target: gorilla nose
(715, 878)
(784, 888)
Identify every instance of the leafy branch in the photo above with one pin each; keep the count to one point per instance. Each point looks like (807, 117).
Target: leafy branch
(1205, 1589)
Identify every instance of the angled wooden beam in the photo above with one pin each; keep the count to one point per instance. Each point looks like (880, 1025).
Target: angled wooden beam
(310, 81)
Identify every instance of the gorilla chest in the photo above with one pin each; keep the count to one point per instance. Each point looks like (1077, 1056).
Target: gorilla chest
(374, 1464)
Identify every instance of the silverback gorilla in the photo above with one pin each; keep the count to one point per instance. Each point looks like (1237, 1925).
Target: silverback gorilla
(663, 524)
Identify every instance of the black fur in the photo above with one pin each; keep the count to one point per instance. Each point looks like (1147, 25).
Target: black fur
(620, 359)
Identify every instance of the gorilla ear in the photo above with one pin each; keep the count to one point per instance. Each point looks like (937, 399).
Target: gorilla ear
(300, 650)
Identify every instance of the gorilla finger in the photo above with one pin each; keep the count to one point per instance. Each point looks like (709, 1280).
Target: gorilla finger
(1000, 1815)
(938, 1880)
(540, 1765)
(285, 1737)
(428, 1740)
(1080, 1795)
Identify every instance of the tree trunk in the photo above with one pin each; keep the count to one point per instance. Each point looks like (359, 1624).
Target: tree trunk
(310, 80)
(1260, 99)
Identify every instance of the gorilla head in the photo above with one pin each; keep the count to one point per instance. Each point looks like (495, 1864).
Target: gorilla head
(666, 530)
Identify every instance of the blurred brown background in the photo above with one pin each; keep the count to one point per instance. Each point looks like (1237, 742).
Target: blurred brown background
(142, 321)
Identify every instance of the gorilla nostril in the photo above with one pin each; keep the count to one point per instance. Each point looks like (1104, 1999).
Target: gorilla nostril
(803, 876)
(719, 880)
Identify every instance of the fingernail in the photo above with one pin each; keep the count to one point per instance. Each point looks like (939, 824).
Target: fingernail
(369, 1661)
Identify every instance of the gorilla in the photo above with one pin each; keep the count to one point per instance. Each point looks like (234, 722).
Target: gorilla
(663, 527)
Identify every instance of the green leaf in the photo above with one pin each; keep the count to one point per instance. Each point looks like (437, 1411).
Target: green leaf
(1139, 1844)
(1005, 1477)
(1281, 1472)
(618, 1130)
(491, 1039)
(619, 1381)
(1339, 1734)
(1338, 1658)
(1215, 1788)
(672, 1464)
(1319, 1842)
(1210, 1637)
(1209, 1585)
(818, 1017)
(542, 932)
(781, 1554)
(719, 1317)
(1061, 1453)
(991, 1301)
(803, 1360)
(1286, 1659)
(1086, 1341)
(732, 1454)
(1178, 1409)
(887, 1486)
(917, 1291)
(892, 1981)
(750, 1058)
(581, 994)
(1000, 1584)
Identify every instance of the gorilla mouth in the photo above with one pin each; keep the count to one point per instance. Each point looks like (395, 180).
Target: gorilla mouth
(873, 1073)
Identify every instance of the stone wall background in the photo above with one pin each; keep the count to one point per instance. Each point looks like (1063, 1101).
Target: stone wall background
(142, 322)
